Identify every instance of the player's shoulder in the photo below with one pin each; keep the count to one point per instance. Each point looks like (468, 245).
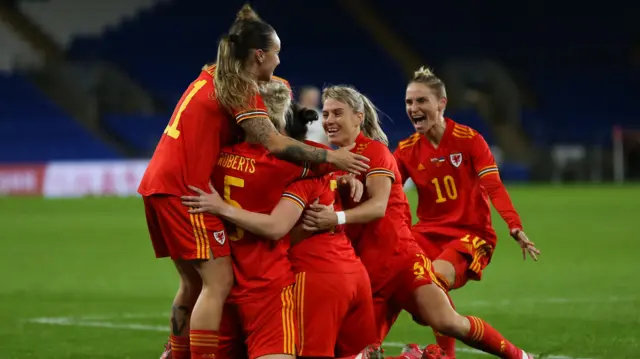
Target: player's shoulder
(368, 146)
(280, 79)
(408, 143)
(462, 132)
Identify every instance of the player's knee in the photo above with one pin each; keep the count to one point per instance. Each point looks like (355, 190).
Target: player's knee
(217, 276)
(445, 271)
(451, 325)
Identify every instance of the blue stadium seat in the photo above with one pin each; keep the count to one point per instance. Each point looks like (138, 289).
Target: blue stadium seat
(35, 130)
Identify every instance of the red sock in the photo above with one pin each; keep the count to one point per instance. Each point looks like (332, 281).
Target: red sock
(484, 337)
(179, 347)
(448, 344)
(203, 343)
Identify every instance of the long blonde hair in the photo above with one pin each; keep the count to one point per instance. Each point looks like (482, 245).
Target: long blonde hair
(359, 103)
(277, 99)
(425, 76)
(235, 87)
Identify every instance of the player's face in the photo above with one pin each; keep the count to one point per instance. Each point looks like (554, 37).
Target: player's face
(340, 122)
(270, 59)
(424, 108)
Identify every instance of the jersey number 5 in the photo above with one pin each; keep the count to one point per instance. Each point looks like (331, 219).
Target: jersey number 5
(449, 187)
(230, 181)
(172, 128)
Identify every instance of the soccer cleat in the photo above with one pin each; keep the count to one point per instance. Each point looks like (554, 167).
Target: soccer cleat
(526, 355)
(166, 354)
(373, 351)
(411, 351)
(433, 351)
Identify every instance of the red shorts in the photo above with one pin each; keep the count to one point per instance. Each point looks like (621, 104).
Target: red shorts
(261, 327)
(178, 234)
(335, 313)
(468, 253)
(398, 294)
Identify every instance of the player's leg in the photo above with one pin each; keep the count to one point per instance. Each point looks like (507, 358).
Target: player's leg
(178, 345)
(358, 328)
(433, 307)
(199, 241)
(270, 325)
(232, 340)
(183, 303)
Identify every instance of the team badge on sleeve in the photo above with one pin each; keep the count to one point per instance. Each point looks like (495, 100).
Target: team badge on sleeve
(219, 237)
(456, 159)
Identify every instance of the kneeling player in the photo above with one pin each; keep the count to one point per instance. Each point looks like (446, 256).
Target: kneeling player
(401, 275)
(454, 172)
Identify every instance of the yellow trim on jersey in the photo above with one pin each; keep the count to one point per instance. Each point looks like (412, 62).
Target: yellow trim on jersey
(380, 171)
(412, 140)
(295, 199)
(288, 321)
(487, 170)
(245, 115)
(299, 299)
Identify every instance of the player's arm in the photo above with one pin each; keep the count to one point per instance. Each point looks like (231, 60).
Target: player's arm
(378, 185)
(487, 171)
(288, 149)
(401, 166)
(274, 225)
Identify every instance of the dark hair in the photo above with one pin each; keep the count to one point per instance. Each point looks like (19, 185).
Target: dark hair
(297, 120)
(234, 86)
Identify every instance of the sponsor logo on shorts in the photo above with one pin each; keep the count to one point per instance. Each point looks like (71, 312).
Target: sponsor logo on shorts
(219, 237)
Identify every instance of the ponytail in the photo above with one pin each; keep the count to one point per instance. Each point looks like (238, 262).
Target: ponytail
(371, 124)
(234, 86)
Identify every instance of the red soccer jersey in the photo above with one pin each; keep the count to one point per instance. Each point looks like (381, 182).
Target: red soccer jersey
(325, 252)
(448, 180)
(248, 177)
(383, 242)
(188, 150)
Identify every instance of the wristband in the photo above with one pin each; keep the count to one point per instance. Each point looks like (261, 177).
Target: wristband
(342, 218)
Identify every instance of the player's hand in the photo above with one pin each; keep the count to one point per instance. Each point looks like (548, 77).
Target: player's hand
(319, 218)
(356, 188)
(348, 161)
(526, 245)
(205, 202)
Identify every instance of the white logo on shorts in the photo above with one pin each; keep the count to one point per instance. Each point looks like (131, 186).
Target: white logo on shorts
(219, 237)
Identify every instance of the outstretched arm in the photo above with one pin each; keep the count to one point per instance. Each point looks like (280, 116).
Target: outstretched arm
(289, 149)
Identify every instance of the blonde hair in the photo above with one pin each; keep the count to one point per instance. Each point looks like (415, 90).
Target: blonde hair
(234, 86)
(359, 103)
(425, 76)
(277, 99)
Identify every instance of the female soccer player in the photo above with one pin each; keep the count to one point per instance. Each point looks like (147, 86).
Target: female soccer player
(186, 155)
(401, 274)
(454, 172)
(332, 293)
(324, 262)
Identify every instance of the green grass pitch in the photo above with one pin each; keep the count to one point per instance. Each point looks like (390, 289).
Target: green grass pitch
(80, 280)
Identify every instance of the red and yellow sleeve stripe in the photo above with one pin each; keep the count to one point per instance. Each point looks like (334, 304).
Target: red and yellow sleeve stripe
(380, 171)
(295, 199)
(487, 171)
(254, 113)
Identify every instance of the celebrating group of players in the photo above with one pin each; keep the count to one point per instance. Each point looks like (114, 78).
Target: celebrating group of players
(309, 251)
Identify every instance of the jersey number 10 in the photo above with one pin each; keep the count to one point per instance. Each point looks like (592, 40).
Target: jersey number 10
(449, 187)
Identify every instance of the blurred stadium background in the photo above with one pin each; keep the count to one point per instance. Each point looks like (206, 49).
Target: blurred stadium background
(87, 87)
